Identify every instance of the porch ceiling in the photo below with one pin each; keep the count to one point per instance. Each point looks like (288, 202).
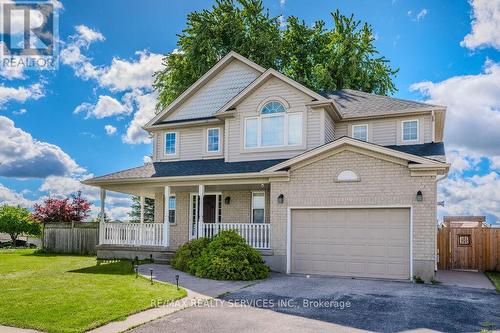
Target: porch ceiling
(149, 190)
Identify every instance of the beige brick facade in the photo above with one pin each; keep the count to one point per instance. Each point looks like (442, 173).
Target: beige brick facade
(382, 183)
(238, 211)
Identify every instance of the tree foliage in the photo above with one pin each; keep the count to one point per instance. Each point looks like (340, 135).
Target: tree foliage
(55, 210)
(15, 221)
(149, 210)
(320, 58)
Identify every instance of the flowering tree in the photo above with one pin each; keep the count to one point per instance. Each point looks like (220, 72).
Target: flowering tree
(62, 210)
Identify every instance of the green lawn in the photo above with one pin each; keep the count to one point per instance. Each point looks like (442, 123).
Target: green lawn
(64, 293)
(495, 278)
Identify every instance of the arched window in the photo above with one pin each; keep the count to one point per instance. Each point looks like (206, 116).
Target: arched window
(272, 107)
(273, 127)
(347, 176)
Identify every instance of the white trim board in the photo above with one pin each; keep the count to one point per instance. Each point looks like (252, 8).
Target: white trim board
(289, 229)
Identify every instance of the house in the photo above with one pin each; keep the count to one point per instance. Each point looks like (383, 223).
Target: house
(342, 183)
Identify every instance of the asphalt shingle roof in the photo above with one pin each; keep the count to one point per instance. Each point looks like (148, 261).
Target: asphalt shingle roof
(354, 103)
(190, 168)
(219, 166)
(424, 149)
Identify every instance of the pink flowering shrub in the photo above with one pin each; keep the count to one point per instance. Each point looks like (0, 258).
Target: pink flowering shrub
(62, 210)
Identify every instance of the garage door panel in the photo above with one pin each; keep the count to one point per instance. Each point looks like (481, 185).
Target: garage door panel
(351, 242)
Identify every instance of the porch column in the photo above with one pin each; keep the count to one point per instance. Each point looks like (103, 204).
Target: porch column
(201, 193)
(142, 209)
(102, 219)
(166, 221)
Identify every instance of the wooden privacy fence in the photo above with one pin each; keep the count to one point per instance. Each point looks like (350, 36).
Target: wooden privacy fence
(476, 248)
(75, 237)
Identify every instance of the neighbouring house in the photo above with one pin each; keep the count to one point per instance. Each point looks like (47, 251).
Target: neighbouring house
(339, 183)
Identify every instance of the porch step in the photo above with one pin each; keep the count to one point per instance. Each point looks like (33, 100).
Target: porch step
(164, 258)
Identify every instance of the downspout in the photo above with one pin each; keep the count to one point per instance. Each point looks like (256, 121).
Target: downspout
(438, 179)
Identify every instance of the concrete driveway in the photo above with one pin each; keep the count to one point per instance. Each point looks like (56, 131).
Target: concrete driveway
(297, 304)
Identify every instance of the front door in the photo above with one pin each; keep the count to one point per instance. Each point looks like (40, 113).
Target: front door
(211, 212)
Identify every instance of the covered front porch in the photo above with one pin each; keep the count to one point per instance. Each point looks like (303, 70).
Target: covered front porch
(188, 211)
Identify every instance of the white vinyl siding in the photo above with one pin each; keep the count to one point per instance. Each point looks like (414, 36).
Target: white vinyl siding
(329, 128)
(249, 108)
(192, 144)
(388, 131)
(217, 92)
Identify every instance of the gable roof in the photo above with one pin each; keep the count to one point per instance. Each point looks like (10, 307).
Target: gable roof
(217, 68)
(261, 80)
(416, 162)
(354, 103)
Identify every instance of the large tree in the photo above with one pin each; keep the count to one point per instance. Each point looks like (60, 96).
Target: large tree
(149, 210)
(16, 221)
(320, 58)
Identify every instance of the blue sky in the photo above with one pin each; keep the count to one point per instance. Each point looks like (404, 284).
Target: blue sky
(83, 119)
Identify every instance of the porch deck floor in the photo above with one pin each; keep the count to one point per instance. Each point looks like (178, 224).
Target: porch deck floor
(206, 287)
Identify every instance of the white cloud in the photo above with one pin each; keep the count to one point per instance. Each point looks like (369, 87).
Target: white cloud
(423, 13)
(89, 35)
(72, 56)
(473, 101)
(11, 197)
(144, 104)
(106, 106)
(127, 75)
(117, 204)
(110, 129)
(485, 25)
(282, 3)
(22, 156)
(15, 73)
(20, 112)
(20, 94)
(420, 15)
(476, 195)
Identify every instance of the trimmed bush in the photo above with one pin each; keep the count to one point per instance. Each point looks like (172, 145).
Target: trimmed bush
(229, 257)
(188, 252)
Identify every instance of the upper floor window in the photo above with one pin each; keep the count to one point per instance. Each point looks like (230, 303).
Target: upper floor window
(171, 143)
(273, 127)
(213, 140)
(360, 132)
(410, 130)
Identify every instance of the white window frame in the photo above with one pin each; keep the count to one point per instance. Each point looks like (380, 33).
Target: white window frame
(175, 209)
(176, 147)
(219, 143)
(359, 125)
(252, 208)
(259, 118)
(403, 130)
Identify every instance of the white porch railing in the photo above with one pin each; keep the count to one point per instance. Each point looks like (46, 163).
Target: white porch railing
(257, 235)
(131, 234)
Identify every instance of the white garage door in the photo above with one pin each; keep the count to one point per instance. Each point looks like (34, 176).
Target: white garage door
(351, 242)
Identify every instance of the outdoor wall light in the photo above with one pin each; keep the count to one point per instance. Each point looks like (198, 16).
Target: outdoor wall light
(227, 200)
(420, 196)
(281, 198)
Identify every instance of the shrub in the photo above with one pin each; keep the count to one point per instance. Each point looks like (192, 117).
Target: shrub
(229, 257)
(189, 252)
